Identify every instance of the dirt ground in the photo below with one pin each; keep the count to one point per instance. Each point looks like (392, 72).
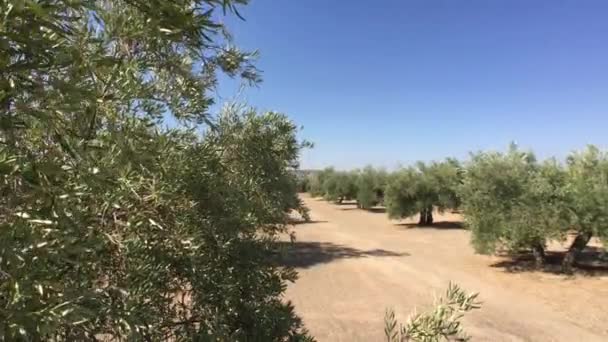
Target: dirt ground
(353, 264)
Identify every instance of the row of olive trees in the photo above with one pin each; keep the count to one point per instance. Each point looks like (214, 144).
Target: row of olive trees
(365, 186)
(406, 192)
(509, 200)
(113, 226)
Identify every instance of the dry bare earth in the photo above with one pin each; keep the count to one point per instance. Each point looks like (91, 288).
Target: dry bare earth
(353, 264)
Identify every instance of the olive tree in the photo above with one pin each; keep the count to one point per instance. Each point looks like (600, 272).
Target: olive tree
(409, 193)
(370, 187)
(112, 226)
(510, 200)
(586, 193)
(447, 178)
(239, 177)
(303, 184)
(420, 189)
(316, 181)
(340, 186)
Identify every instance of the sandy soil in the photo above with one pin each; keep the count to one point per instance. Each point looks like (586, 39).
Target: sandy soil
(354, 264)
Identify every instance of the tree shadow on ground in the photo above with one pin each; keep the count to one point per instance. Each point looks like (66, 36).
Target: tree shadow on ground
(345, 202)
(371, 210)
(435, 225)
(593, 261)
(301, 254)
(301, 222)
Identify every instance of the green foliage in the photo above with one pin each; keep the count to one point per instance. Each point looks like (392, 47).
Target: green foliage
(422, 188)
(586, 200)
(587, 191)
(503, 204)
(370, 187)
(446, 178)
(266, 149)
(407, 193)
(303, 184)
(113, 227)
(333, 185)
(442, 323)
(510, 200)
(255, 155)
(340, 186)
(317, 180)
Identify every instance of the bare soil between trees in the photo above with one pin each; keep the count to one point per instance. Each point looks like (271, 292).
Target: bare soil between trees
(354, 264)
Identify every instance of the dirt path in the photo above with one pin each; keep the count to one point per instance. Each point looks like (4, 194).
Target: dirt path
(354, 264)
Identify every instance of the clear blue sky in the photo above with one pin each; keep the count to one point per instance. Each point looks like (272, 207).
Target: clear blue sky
(395, 81)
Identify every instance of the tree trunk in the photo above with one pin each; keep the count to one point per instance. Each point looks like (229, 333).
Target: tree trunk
(538, 250)
(429, 216)
(422, 220)
(579, 243)
(426, 217)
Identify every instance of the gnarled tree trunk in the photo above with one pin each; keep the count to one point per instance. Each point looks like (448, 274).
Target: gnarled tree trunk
(422, 218)
(538, 250)
(426, 217)
(579, 243)
(429, 216)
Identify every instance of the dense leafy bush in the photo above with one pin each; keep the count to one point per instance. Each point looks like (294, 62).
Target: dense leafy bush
(112, 226)
(370, 185)
(420, 189)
